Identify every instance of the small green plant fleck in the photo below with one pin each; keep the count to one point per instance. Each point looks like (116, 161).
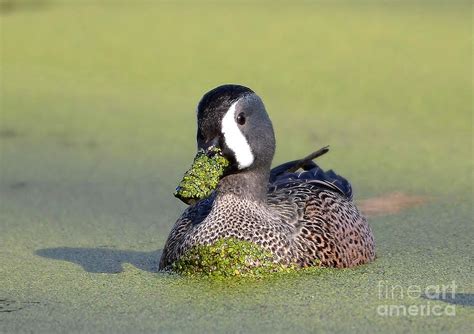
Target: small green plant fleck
(228, 257)
(203, 176)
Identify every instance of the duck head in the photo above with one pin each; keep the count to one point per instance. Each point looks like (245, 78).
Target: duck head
(232, 121)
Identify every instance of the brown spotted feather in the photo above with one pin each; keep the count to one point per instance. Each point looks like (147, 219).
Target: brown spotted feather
(301, 223)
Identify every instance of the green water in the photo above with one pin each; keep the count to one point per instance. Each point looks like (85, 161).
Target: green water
(97, 127)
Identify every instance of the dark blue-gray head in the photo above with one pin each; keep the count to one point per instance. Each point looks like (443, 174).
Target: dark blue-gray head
(233, 118)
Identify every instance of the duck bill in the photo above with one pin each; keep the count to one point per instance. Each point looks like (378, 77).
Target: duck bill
(202, 178)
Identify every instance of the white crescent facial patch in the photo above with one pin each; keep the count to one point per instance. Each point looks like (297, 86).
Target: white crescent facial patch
(235, 139)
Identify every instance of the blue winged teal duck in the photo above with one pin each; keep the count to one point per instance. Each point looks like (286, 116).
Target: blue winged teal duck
(298, 212)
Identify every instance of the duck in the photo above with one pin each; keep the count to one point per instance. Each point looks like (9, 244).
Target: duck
(298, 212)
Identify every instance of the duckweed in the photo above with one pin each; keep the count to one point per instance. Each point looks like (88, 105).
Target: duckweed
(203, 176)
(229, 257)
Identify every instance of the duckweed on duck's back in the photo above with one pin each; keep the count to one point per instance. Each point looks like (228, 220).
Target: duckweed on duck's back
(203, 176)
(228, 257)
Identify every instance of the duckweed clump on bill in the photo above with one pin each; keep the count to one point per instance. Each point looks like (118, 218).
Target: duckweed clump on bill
(203, 176)
(228, 257)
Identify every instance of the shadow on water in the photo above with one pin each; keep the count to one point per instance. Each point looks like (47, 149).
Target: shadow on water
(104, 260)
(463, 299)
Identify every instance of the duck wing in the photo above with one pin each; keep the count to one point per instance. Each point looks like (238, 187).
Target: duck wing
(326, 225)
(305, 170)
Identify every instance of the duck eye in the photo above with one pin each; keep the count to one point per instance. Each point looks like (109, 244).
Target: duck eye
(241, 118)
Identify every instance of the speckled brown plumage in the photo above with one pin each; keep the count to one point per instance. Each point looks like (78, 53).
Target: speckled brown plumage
(303, 220)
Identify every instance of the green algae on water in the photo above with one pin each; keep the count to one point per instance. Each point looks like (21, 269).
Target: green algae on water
(203, 176)
(229, 257)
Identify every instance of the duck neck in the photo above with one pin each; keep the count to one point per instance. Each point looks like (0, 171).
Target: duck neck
(250, 185)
